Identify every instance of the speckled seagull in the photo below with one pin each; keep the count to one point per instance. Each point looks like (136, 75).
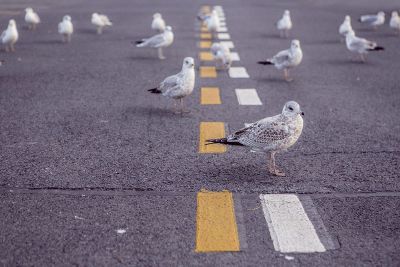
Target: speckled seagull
(270, 135)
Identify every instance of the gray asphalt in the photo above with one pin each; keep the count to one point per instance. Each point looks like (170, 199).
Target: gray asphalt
(81, 136)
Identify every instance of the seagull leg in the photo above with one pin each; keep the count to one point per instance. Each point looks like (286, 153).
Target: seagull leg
(286, 33)
(7, 49)
(362, 58)
(274, 168)
(99, 30)
(286, 75)
(68, 38)
(12, 48)
(160, 53)
(183, 110)
(176, 110)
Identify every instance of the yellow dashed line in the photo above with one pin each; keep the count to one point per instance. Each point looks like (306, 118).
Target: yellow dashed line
(205, 56)
(205, 9)
(216, 223)
(205, 35)
(204, 29)
(208, 72)
(205, 44)
(210, 96)
(211, 130)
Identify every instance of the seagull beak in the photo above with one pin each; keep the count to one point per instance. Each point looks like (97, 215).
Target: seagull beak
(302, 113)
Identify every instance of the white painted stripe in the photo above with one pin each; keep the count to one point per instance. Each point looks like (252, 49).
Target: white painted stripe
(238, 72)
(235, 56)
(290, 228)
(228, 44)
(224, 36)
(248, 97)
(222, 24)
(222, 29)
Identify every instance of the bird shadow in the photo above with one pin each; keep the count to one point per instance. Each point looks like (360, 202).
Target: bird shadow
(145, 58)
(273, 36)
(49, 42)
(87, 31)
(166, 112)
(344, 61)
(272, 80)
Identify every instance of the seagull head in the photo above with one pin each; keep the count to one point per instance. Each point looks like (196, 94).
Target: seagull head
(28, 9)
(395, 14)
(168, 29)
(292, 109)
(95, 14)
(347, 18)
(295, 44)
(67, 18)
(381, 14)
(286, 12)
(12, 23)
(157, 15)
(188, 63)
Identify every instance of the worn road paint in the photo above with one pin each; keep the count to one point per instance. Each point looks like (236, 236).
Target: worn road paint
(208, 72)
(210, 96)
(290, 228)
(205, 35)
(248, 97)
(211, 130)
(224, 36)
(216, 228)
(235, 56)
(205, 56)
(205, 44)
(238, 72)
(228, 44)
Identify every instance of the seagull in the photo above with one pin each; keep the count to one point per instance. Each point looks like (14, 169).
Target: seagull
(373, 20)
(65, 28)
(269, 135)
(31, 18)
(286, 59)
(360, 45)
(158, 23)
(395, 21)
(10, 36)
(100, 21)
(212, 21)
(345, 27)
(158, 41)
(179, 85)
(222, 56)
(284, 24)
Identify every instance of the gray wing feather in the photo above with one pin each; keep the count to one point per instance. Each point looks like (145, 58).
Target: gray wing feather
(155, 41)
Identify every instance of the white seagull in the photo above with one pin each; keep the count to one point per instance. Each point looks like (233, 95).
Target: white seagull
(212, 21)
(10, 36)
(66, 28)
(373, 20)
(269, 135)
(345, 27)
(158, 23)
(395, 21)
(158, 41)
(284, 25)
(286, 59)
(221, 55)
(360, 45)
(179, 85)
(31, 18)
(100, 21)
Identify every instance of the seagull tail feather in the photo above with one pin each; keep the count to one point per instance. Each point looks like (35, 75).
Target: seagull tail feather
(139, 43)
(155, 91)
(266, 62)
(377, 48)
(222, 141)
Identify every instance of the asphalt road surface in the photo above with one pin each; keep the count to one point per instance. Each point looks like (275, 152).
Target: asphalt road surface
(95, 171)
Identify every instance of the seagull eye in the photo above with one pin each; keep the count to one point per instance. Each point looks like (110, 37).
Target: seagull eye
(290, 108)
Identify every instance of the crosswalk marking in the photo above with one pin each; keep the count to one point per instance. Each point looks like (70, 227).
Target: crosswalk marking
(211, 130)
(228, 44)
(216, 227)
(224, 36)
(235, 56)
(205, 35)
(205, 56)
(222, 29)
(210, 96)
(208, 72)
(248, 97)
(205, 44)
(290, 228)
(238, 72)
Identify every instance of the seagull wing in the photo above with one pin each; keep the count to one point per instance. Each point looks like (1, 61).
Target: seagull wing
(155, 41)
(281, 57)
(368, 19)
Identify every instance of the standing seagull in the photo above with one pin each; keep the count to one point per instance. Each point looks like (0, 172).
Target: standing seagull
(100, 21)
(284, 24)
(212, 22)
(158, 41)
(179, 85)
(345, 27)
(65, 28)
(270, 135)
(10, 36)
(158, 23)
(395, 21)
(286, 59)
(360, 45)
(373, 20)
(221, 55)
(31, 18)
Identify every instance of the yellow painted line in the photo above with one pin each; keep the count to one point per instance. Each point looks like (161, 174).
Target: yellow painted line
(205, 56)
(216, 229)
(204, 29)
(210, 96)
(205, 35)
(205, 44)
(9, 12)
(208, 72)
(211, 130)
(205, 9)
